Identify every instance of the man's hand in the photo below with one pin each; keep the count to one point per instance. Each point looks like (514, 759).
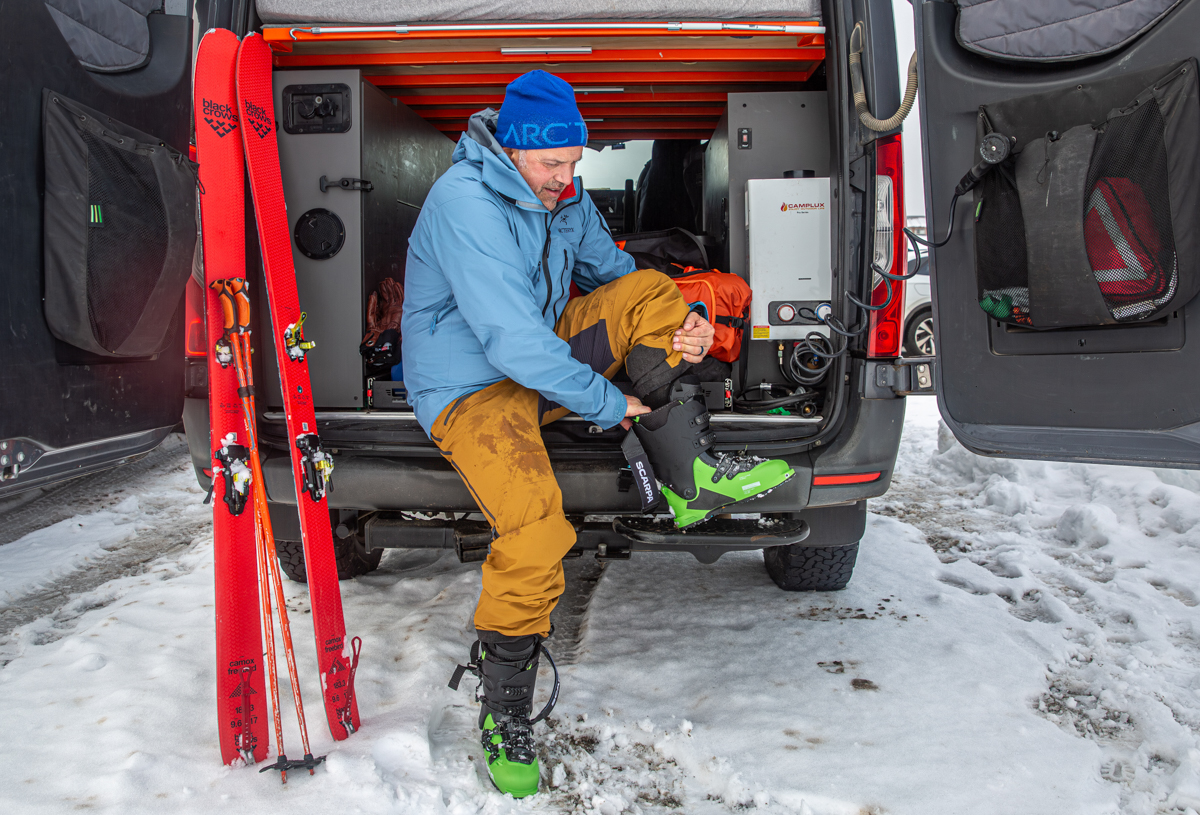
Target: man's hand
(633, 407)
(695, 338)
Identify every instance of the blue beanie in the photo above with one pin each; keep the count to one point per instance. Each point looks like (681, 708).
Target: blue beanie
(538, 113)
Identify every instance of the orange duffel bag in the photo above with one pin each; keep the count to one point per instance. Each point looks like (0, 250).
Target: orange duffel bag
(725, 301)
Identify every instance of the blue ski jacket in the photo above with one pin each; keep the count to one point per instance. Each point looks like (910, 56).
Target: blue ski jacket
(488, 275)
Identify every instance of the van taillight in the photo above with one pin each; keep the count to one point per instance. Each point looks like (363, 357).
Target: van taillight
(196, 345)
(888, 253)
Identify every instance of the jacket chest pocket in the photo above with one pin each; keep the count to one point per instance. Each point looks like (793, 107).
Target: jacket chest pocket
(561, 255)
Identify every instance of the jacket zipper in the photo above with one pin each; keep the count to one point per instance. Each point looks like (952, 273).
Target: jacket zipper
(546, 264)
(445, 309)
(546, 256)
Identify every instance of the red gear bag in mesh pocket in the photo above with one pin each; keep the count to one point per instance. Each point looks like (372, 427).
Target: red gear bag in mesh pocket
(1124, 245)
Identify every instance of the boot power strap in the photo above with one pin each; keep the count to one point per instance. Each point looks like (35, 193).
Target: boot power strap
(475, 667)
(642, 472)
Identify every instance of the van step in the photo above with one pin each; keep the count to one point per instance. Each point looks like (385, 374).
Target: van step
(748, 533)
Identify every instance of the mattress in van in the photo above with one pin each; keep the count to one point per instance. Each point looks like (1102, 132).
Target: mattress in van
(413, 11)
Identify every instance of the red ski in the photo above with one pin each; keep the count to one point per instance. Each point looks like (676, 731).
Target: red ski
(311, 466)
(241, 698)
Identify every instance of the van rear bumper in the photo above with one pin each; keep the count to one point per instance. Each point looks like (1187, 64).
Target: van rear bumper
(50, 465)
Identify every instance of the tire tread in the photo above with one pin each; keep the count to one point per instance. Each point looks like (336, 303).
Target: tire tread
(352, 561)
(811, 568)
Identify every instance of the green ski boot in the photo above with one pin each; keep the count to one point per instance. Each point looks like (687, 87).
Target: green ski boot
(507, 672)
(697, 482)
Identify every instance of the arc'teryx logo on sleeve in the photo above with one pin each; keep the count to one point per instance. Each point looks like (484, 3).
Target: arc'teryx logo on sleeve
(221, 118)
(260, 120)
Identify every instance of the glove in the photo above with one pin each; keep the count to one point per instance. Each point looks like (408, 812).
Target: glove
(384, 313)
(381, 344)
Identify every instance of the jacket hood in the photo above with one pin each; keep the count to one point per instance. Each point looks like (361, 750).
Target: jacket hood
(480, 147)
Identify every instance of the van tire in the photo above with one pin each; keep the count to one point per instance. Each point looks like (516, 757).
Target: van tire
(353, 559)
(811, 568)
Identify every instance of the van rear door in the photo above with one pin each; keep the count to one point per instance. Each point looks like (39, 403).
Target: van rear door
(1045, 383)
(66, 409)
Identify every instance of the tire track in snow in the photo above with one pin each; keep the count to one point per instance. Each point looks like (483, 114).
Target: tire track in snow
(166, 519)
(569, 618)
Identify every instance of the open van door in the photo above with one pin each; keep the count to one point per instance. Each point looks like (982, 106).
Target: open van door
(96, 192)
(1053, 340)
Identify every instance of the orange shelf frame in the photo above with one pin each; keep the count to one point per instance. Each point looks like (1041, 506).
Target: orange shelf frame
(599, 78)
(461, 114)
(618, 55)
(582, 98)
(617, 135)
(615, 124)
(291, 35)
(446, 75)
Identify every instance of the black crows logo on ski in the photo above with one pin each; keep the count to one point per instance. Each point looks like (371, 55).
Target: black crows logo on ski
(221, 118)
(242, 688)
(260, 119)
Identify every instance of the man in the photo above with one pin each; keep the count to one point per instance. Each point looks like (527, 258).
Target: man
(493, 350)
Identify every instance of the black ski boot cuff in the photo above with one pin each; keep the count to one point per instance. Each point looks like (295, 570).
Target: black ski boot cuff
(507, 670)
(652, 377)
(675, 435)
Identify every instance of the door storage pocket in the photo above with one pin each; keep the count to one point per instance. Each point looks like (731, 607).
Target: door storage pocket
(1091, 221)
(119, 231)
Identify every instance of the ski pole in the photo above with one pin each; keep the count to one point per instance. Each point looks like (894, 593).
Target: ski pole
(276, 578)
(271, 580)
(265, 600)
(230, 345)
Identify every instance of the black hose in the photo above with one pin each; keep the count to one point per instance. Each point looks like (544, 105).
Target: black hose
(810, 359)
(943, 241)
(743, 404)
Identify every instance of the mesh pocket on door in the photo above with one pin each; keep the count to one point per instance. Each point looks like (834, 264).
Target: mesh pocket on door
(1127, 222)
(1102, 202)
(127, 239)
(1002, 271)
(119, 231)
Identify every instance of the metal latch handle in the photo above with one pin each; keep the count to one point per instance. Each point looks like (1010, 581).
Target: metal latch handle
(349, 184)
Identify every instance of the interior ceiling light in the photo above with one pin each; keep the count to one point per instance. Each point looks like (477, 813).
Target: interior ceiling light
(599, 90)
(583, 49)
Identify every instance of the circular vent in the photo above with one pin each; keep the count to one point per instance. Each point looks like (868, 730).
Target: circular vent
(320, 234)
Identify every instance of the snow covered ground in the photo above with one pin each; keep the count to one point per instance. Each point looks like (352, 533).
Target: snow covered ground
(1018, 637)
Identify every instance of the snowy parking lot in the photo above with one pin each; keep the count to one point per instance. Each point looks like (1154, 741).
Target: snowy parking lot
(1019, 637)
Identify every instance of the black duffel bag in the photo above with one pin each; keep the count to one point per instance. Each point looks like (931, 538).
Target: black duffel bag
(664, 248)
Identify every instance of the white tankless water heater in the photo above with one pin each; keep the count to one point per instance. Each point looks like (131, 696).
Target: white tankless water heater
(787, 220)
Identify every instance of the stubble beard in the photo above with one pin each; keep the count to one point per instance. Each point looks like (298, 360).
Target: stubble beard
(549, 197)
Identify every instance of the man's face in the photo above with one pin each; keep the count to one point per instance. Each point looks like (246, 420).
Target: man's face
(547, 172)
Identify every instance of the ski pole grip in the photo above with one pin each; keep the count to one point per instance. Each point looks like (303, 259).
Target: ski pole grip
(243, 303)
(227, 307)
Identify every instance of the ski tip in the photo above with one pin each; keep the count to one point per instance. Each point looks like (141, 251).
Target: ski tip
(214, 34)
(221, 33)
(253, 54)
